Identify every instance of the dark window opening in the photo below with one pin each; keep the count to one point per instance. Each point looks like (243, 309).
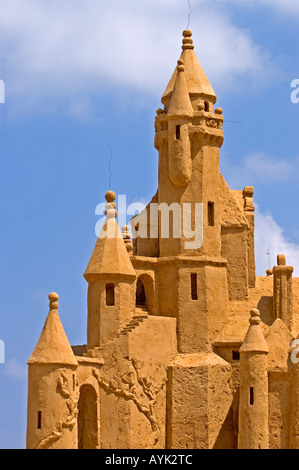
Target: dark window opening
(87, 418)
(207, 106)
(39, 420)
(140, 294)
(74, 382)
(109, 294)
(251, 396)
(194, 286)
(177, 132)
(211, 214)
(236, 355)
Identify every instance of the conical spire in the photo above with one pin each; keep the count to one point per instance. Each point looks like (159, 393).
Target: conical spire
(254, 339)
(196, 80)
(110, 255)
(180, 103)
(53, 347)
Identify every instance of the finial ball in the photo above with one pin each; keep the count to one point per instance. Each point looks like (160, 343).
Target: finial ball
(187, 33)
(110, 196)
(53, 297)
(254, 316)
(281, 260)
(180, 66)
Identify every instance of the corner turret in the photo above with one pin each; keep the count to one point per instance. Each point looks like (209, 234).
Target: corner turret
(253, 402)
(52, 388)
(111, 277)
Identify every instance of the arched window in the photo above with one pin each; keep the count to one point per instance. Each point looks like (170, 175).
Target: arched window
(140, 293)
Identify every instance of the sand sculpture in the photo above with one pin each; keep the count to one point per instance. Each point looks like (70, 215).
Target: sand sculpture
(186, 346)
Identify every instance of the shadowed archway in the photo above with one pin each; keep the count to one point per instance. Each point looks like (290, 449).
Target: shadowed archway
(87, 418)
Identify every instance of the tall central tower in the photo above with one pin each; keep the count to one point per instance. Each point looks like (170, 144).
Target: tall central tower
(188, 137)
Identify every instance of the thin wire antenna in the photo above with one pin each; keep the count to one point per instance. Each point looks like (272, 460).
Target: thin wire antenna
(268, 253)
(235, 122)
(109, 167)
(189, 15)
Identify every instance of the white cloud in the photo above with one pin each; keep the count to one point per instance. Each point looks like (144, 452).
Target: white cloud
(15, 369)
(61, 53)
(259, 167)
(269, 235)
(286, 7)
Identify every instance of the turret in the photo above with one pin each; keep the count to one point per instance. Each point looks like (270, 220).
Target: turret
(179, 115)
(111, 282)
(188, 137)
(253, 401)
(52, 388)
(282, 291)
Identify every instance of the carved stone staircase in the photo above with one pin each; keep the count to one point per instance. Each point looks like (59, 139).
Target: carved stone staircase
(141, 314)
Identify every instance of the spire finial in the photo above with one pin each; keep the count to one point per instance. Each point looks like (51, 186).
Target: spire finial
(53, 297)
(187, 41)
(180, 66)
(254, 317)
(110, 206)
(127, 238)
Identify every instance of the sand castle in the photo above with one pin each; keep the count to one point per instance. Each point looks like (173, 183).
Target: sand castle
(186, 347)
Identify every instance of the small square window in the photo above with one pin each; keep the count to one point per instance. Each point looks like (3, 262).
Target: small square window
(211, 214)
(193, 286)
(251, 396)
(109, 294)
(236, 355)
(39, 420)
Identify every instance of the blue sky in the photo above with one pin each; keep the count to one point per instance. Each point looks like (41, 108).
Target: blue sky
(84, 77)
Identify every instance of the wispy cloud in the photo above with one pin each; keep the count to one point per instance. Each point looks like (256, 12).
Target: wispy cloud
(259, 167)
(270, 236)
(289, 8)
(15, 369)
(60, 54)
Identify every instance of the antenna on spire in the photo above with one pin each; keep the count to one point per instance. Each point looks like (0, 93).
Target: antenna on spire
(268, 253)
(109, 167)
(189, 15)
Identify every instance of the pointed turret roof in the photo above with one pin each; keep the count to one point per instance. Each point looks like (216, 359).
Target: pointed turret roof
(254, 339)
(53, 347)
(180, 104)
(110, 256)
(196, 80)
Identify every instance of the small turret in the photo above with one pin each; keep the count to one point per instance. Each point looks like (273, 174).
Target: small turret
(253, 402)
(111, 279)
(52, 388)
(179, 114)
(201, 92)
(282, 291)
